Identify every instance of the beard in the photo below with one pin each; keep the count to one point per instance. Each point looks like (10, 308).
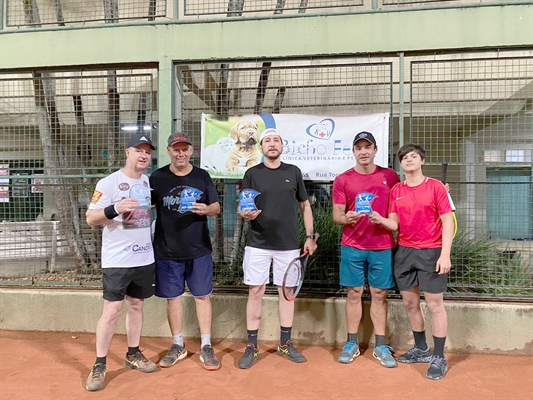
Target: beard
(273, 156)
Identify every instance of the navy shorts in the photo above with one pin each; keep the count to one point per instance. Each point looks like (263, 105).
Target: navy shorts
(171, 275)
(376, 264)
(417, 267)
(137, 282)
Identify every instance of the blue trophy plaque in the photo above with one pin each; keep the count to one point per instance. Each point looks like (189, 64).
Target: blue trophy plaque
(189, 195)
(141, 193)
(362, 202)
(246, 200)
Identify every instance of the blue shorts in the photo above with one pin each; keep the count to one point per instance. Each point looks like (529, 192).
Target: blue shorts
(355, 264)
(171, 275)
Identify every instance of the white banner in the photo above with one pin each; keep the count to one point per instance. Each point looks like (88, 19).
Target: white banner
(321, 146)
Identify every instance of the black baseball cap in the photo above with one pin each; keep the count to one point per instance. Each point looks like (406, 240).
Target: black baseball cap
(366, 136)
(136, 139)
(178, 137)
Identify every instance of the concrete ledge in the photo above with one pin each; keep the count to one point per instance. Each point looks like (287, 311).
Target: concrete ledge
(498, 328)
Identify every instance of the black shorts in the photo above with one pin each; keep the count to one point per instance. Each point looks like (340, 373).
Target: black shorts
(137, 282)
(417, 267)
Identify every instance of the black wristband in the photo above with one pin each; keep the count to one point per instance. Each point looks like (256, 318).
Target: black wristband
(110, 212)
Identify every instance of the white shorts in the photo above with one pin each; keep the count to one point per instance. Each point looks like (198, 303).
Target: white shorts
(256, 265)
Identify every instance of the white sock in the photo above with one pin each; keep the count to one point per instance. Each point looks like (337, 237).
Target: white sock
(206, 339)
(178, 339)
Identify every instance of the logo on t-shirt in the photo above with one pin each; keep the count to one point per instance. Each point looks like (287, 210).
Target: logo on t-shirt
(137, 219)
(180, 198)
(124, 186)
(96, 196)
(138, 248)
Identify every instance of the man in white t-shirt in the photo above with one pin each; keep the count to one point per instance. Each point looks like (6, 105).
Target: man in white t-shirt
(121, 203)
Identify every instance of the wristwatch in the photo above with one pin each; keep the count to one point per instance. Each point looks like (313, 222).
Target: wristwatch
(313, 236)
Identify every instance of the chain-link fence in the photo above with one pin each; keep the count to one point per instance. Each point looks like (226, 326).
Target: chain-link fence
(254, 8)
(46, 13)
(37, 13)
(476, 115)
(61, 132)
(321, 87)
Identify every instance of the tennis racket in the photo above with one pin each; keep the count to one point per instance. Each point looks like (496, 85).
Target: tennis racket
(294, 276)
(444, 173)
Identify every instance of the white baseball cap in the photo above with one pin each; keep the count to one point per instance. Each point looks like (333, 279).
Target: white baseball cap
(268, 132)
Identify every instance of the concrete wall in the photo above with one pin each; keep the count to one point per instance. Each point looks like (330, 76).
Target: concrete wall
(473, 326)
(392, 31)
(165, 44)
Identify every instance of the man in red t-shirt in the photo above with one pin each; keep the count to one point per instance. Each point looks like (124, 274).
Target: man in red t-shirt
(366, 247)
(420, 210)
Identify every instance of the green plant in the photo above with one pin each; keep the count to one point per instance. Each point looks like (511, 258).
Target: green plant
(479, 265)
(323, 267)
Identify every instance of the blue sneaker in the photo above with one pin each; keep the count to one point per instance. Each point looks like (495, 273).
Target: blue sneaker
(384, 354)
(349, 352)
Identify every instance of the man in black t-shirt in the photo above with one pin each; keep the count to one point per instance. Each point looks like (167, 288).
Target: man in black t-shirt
(273, 238)
(184, 196)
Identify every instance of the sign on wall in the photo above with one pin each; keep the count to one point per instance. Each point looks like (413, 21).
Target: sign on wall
(4, 183)
(321, 146)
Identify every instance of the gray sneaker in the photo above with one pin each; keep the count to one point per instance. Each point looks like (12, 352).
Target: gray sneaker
(207, 356)
(95, 381)
(437, 368)
(288, 350)
(250, 356)
(140, 362)
(415, 355)
(175, 353)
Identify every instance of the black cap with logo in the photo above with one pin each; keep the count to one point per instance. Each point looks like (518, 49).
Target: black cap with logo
(364, 136)
(137, 139)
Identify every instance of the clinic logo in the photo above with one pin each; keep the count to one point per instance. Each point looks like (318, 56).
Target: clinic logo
(322, 130)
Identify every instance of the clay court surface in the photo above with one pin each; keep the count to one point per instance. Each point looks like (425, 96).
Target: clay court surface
(37, 365)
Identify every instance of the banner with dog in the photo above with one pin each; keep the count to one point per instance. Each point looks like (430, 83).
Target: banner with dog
(321, 146)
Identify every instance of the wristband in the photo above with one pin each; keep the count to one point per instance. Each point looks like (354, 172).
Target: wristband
(111, 212)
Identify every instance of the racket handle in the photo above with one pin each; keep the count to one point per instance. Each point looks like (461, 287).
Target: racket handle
(444, 172)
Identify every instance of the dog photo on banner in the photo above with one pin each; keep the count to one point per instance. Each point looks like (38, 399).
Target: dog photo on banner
(320, 145)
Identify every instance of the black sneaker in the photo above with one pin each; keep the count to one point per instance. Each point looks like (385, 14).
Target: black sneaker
(251, 355)
(415, 355)
(437, 368)
(95, 381)
(207, 356)
(288, 350)
(175, 353)
(140, 362)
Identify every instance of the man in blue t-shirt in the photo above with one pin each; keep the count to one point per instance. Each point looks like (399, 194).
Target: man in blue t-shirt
(273, 238)
(184, 196)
